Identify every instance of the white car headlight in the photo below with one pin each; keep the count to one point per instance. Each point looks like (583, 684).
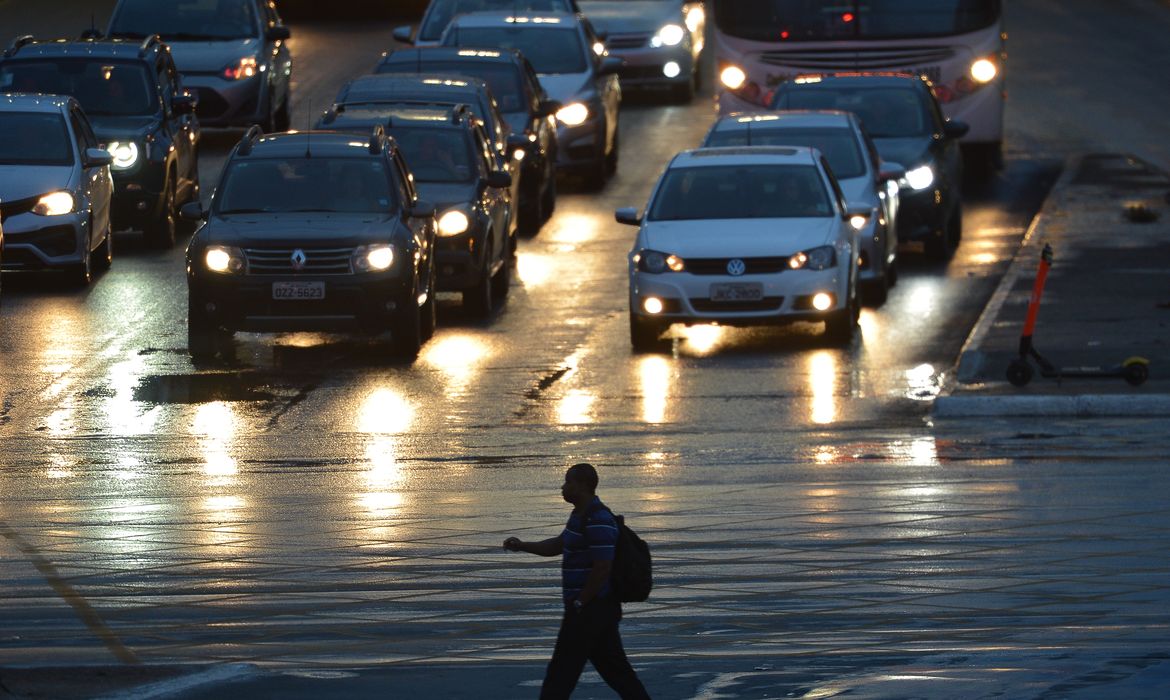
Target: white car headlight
(223, 259)
(54, 204)
(125, 154)
(453, 223)
(732, 77)
(573, 114)
(670, 35)
(920, 178)
(373, 258)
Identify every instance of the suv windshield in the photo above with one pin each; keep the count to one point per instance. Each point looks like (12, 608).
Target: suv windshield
(801, 20)
(316, 184)
(186, 20)
(839, 146)
(550, 50)
(104, 87)
(890, 112)
(435, 155)
(443, 11)
(502, 78)
(29, 138)
(740, 192)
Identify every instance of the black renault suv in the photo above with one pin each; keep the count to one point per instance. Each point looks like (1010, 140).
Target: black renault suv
(312, 231)
(455, 168)
(139, 110)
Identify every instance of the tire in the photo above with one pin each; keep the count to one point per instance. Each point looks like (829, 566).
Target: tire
(502, 280)
(81, 274)
(429, 312)
(1019, 372)
(188, 227)
(281, 121)
(877, 291)
(842, 325)
(684, 92)
(407, 331)
(104, 256)
(596, 175)
(531, 214)
(645, 336)
(160, 233)
(478, 298)
(892, 276)
(548, 201)
(201, 334)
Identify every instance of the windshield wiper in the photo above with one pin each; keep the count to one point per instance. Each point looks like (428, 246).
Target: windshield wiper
(244, 211)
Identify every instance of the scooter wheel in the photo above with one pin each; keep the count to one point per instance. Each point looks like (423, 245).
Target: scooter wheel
(1019, 372)
(1135, 373)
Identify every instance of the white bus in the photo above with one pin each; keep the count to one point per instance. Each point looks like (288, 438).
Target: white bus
(957, 44)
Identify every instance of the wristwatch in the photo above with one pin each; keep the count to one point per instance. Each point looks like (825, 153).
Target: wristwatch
(577, 605)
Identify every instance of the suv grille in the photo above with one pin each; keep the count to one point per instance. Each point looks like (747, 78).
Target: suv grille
(828, 60)
(318, 261)
(753, 266)
(627, 41)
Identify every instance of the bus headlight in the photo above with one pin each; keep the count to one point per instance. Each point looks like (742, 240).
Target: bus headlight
(732, 77)
(920, 178)
(125, 154)
(984, 70)
(670, 35)
(54, 204)
(573, 114)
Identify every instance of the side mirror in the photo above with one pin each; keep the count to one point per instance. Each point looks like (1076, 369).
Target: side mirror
(548, 108)
(97, 158)
(891, 171)
(278, 33)
(192, 211)
(499, 178)
(610, 65)
(628, 216)
(423, 209)
(955, 129)
(184, 104)
(402, 34)
(854, 209)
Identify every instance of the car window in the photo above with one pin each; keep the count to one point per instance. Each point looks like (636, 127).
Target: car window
(436, 155)
(32, 138)
(502, 78)
(485, 154)
(886, 112)
(441, 12)
(740, 192)
(78, 133)
(551, 50)
(91, 140)
(104, 87)
(838, 145)
(186, 20)
(836, 187)
(354, 185)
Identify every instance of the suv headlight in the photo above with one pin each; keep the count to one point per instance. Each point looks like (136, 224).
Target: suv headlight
(655, 262)
(454, 222)
(573, 114)
(920, 178)
(226, 260)
(125, 154)
(54, 204)
(373, 258)
(670, 35)
(243, 69)
(820, 258)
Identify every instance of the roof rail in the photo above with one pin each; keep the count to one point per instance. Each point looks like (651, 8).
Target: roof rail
(459, 111)
(249, 138)
(17, 43)
(377, 140)
(91, 34)
(147, 43)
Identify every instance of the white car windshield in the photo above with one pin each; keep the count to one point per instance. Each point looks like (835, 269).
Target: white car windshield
(740, 192)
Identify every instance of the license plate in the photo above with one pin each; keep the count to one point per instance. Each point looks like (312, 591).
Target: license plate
(745, 291)
(298, 290)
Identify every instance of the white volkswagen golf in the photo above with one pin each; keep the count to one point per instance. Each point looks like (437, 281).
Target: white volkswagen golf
(744, 236)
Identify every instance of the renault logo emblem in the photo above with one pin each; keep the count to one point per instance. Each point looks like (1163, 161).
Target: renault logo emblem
(736, 267)
(298, 259)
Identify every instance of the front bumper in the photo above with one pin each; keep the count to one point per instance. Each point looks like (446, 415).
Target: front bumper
(366, 303)
(582, 147)
(922, 215)
(138, 194)
(459, 261)
(226, 103)
(787, 297)
(645, 67)
(33, 242)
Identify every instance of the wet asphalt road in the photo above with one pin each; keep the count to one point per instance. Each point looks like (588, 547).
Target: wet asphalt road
(314, 503)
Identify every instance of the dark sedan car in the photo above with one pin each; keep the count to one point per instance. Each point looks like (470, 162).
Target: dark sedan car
(903, 117)
(525, 106)
(312, 231)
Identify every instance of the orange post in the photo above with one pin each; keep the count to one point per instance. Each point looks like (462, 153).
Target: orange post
(1038, 290)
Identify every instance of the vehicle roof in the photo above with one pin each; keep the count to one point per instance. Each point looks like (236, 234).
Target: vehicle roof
(744, 155)
(134, 49)
(295, 144)
(853, 80)
(33, 102)
(788, 118)
(497, 18)
(422, 54)
(393, 85)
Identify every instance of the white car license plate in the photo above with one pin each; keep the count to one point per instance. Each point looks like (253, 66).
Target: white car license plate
(742, 291)
(298, 290)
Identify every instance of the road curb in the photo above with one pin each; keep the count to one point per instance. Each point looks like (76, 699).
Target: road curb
(1077, 406)
(182, 684)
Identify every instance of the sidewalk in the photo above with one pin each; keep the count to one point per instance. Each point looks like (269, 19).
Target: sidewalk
(1107, 299)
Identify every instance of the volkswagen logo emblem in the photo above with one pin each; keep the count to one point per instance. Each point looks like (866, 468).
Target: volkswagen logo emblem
(736, 267)
(298, 259)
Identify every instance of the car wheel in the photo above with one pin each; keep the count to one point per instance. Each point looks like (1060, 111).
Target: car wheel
(841, 326)
(160, 233)
(407, 330)
(281, 120)
(81, 273)
(646, 335)
(683, 92)
(877, 291)
(429, 312)
(596, 175)
(201, 332)
(532, 212)
(548, 203)
(104, 256)
(892, 275)
(477, 299)
(502, 280)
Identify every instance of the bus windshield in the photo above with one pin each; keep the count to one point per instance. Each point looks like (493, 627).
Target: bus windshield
(812, 20)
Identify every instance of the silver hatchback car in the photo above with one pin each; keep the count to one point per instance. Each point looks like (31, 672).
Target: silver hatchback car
(55, 187)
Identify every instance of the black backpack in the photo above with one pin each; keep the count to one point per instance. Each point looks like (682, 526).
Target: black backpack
(632, 578)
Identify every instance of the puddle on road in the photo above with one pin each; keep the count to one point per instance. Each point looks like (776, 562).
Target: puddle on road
(201, 388)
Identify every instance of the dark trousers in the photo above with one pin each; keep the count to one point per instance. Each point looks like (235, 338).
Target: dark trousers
(591, 635)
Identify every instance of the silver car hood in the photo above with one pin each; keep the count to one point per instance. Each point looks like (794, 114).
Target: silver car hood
(23, 181)
(632, 17)
(566, 87)
(211, 56)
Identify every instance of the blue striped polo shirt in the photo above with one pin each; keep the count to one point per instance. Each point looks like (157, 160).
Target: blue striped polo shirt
(585, 544)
